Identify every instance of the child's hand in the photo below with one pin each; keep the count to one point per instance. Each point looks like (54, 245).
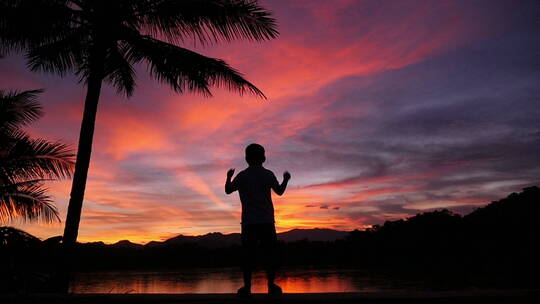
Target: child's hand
(230, 173)
(286, 175)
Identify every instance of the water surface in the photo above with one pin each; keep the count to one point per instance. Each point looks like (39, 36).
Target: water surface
(228, 280)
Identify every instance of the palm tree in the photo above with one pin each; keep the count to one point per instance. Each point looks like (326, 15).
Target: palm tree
(102, 40)
(25, 163)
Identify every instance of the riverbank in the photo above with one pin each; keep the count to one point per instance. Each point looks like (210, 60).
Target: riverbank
(484, 296)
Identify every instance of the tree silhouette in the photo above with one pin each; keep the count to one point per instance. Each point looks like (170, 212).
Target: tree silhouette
(25, 162)
(102, 40)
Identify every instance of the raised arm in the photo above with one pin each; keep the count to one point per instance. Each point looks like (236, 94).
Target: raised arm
(229, 187)
(280, 188)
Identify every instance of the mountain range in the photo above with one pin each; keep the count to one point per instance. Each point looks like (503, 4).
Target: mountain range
(217, 239)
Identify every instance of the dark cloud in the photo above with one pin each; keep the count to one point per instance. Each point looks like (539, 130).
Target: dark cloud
(466, 122)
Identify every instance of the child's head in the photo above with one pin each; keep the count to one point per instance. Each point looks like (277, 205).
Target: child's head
(255, 155)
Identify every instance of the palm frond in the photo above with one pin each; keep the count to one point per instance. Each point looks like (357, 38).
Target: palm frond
(208, 20)
(28, 201)
(119, 71)
(25, 23)
(28, 158)
(18, 108)
(65, 54)
(25, 162)
(185, 70)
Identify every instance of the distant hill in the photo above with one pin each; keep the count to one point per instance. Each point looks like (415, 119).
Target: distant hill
(217, 239)
(317, 234)
(126, 244)
(210, 240)
(220, 240)
(514, 212)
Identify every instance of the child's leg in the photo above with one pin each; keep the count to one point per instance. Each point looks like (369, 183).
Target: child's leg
(248, 253)
(246, 270)
(269, 243)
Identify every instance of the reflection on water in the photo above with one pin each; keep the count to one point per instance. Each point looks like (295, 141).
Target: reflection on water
(227, 280)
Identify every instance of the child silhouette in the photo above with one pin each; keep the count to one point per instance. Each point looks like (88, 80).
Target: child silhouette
(254, 185)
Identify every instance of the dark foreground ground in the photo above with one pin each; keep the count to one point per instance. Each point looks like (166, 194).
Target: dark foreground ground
(510, 297)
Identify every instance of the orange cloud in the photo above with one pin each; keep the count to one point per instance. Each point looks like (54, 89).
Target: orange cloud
(131, 132)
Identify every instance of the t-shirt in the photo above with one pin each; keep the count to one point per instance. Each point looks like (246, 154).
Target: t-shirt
(254, 185)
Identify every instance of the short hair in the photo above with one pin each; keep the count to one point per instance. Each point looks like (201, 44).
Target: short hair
(255, 154)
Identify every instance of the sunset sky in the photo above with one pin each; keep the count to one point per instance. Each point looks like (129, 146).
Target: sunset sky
(379, 109)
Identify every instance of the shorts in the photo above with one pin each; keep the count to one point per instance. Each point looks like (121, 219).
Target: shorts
(259, 234)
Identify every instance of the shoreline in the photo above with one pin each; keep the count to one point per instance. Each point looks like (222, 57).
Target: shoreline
(479, 296)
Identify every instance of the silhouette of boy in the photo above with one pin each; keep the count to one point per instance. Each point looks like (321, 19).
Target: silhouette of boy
(254, 185)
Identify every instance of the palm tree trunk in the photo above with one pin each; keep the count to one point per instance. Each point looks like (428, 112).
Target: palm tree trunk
(84, 151)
